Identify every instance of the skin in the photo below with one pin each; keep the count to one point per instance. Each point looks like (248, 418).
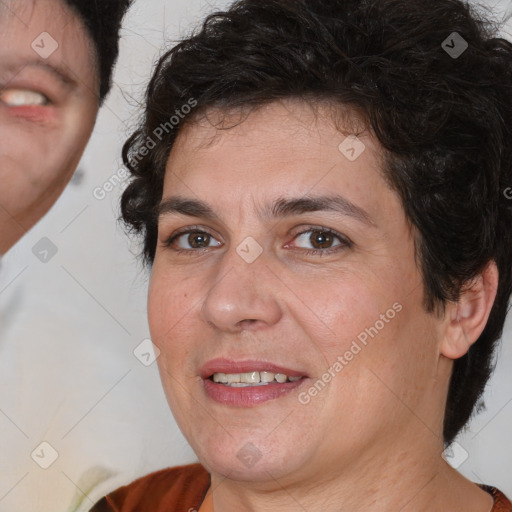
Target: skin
(41, 145)
(373, 437)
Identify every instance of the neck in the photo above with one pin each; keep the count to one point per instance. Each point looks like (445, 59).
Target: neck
(10, 231)
(405, 480)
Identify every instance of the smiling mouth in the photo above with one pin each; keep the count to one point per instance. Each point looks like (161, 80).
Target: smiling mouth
(251, 379)
(248, 383)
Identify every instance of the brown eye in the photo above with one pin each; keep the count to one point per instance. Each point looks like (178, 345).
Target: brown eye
(192, 240)
(198, 240)
(321, 240)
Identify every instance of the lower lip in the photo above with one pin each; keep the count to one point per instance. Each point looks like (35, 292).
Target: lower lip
(34, 113)
(250, 395)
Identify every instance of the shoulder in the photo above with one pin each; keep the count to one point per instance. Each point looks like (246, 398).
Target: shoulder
(501, 502)
(181, 488)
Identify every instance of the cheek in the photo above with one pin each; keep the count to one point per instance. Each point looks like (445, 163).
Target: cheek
(156, 309)
(362, 333)
(28, 164)
(55, 148)
(76, 129)
(20, 134)
(340, 308)
(169, 307)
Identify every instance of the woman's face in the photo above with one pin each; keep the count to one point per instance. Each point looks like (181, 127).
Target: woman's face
(281, 250)
(48, 105)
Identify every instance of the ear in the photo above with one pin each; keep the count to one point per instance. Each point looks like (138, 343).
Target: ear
(466, 319)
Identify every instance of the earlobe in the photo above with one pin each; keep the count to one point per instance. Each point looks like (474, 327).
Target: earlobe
(466, 319)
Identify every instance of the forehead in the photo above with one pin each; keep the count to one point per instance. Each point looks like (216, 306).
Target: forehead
(283, 149)
(19, 15)
(291, 117)
(291, 135)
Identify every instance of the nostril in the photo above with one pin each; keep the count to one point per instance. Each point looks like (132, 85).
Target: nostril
(248, 322)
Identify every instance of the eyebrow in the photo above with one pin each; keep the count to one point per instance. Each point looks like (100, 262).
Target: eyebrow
(279, 209)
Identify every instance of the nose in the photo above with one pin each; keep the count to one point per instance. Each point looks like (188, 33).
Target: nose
(243, 296)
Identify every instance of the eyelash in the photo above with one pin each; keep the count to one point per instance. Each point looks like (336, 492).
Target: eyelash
(345, 242)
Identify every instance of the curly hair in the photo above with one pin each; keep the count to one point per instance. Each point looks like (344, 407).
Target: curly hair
(102, 19)
(444, 122)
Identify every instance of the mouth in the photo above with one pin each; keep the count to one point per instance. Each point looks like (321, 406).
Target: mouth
(254, 378)
(247, 383)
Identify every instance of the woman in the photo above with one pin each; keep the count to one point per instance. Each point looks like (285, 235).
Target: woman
(319, 186)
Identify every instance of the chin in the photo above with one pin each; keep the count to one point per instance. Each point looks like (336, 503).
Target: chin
(257, 460)
(261, 471)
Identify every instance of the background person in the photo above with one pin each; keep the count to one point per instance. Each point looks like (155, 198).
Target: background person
(56, 61)
(56, 64)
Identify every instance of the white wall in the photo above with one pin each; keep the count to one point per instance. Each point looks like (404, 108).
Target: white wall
(68, 329)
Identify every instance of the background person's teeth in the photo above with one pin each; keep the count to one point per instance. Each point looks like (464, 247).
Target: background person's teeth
(280, 377)
(20, 98)
(293, 379)
(250, 377)
(232, 377)
(219, 377)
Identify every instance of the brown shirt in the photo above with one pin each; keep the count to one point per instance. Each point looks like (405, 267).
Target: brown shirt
(183, 488)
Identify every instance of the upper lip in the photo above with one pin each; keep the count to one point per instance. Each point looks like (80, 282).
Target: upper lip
(222, 365)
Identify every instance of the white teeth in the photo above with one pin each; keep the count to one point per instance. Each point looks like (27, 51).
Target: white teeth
(266, 376)
(21, 98)
(252, 378)
(245, 385)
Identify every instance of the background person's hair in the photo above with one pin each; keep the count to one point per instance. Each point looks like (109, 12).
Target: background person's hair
(445, 125)
(103, 21)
